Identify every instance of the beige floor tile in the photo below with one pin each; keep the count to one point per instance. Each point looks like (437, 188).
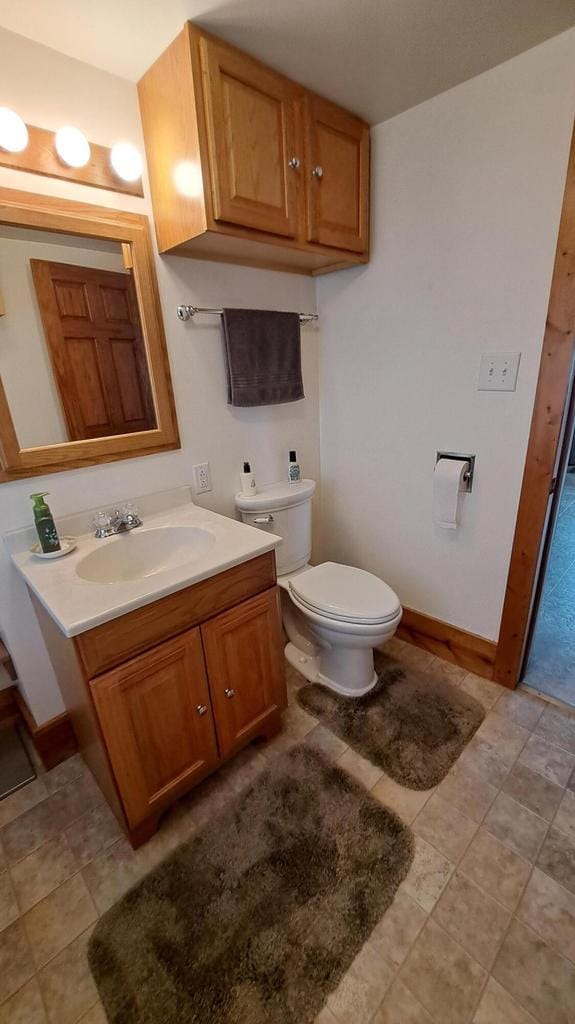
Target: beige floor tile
(495, 868)
(70, 770)
(110, 874)
(520, 707)
(325, 1016)
(22, 800)
(392, 647)
(244, 768)
(16, 964)
(557, 858)
(539, 979)
(362, 989)
(446, 671)
(414, 656)
(557, 727)
(92, 833)
(362, 770)
(565, 817)
(405, 802)
(444, 827)
(75, 799)
(42, 871)
(549, 910)
(505, 735)
(297, 722)
(97, 1016)
(67, 984)
(428, 875)
(533, 790)
(398, 929)
(441, 975)
(29, 831)
(8, 906)
(24, 1007)
(516, 826)
(482, 758)
(401, 1007)
(552, 762)
(58, 919)
(485, 692)
(326, 741)
(467, 791)
(472, 918)
(498, 1007)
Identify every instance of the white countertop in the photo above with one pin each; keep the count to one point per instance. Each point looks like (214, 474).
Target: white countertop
(77, 604)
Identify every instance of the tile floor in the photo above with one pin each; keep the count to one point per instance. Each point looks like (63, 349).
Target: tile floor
(482, 930)
(551, 664)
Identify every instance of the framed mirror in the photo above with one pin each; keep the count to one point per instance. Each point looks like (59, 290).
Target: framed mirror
(84, 372)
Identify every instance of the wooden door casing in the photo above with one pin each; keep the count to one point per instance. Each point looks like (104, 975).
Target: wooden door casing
(250, 115)
(337, 176)
(244, 658)
(159, 739)
(93, 335)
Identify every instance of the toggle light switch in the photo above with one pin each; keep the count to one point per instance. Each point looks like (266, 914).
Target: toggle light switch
(498, 371)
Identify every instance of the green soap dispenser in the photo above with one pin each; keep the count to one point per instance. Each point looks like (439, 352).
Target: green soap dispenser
(45, 525)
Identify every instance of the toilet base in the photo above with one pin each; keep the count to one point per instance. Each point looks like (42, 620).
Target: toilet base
(352, 665)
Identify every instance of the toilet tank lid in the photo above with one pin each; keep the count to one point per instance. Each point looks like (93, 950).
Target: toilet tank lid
(276, 496)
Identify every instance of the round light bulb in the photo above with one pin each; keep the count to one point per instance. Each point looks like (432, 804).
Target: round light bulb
(13, 131)
(126, 161)
(72, 146)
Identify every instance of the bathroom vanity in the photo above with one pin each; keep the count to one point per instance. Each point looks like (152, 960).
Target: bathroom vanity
(163, 681)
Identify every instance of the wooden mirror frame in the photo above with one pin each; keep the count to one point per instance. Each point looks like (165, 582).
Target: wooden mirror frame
(131, 230)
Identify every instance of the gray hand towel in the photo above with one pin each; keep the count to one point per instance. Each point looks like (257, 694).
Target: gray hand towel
(263, 357)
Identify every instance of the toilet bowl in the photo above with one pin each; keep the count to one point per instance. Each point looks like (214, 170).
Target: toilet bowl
(334, 615)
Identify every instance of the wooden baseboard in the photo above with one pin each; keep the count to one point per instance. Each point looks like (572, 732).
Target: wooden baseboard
(474, 653)
(55, 740)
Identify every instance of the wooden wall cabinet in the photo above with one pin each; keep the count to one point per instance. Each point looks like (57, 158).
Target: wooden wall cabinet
(153, 726)
(249, 167)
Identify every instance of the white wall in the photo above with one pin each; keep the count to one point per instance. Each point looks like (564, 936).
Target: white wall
(467, 192)
(49, 89)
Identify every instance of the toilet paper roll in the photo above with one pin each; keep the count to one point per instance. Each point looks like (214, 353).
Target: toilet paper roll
(447, 484)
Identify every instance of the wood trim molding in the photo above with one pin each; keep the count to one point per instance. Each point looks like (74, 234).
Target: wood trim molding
(550, 400)
(40, 157)
(55, 740)
(469, 651)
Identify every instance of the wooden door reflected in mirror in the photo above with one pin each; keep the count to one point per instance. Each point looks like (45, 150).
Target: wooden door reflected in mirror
(83, 362)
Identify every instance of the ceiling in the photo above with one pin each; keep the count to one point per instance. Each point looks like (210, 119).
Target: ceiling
(377, 57)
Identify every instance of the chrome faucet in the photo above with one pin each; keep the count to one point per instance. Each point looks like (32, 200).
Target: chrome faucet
(119, 521)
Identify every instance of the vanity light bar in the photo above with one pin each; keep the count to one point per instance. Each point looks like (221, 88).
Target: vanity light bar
(187, 312)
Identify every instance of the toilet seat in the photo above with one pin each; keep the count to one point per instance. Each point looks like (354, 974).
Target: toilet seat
(343, 593)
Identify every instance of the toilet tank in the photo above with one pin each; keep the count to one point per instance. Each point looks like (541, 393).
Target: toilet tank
(283, 509)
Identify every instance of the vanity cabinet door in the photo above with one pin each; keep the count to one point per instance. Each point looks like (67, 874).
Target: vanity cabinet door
(244, 657)
(337, 176)
(250, 119)
(156, 719)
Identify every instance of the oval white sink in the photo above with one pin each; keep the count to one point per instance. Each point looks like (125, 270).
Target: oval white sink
(135, 555)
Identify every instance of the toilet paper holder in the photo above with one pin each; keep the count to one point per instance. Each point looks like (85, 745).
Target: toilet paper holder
(460, 457)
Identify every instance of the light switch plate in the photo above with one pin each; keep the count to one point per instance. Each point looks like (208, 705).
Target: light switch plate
(498, 371)
(202, 477)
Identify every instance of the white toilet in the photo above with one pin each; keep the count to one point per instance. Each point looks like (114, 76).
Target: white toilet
(334, 615)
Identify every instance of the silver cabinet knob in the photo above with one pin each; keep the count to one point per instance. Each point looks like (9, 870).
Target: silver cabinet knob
(317, 172)
(293, 162)
(201, 709)
(229, 693)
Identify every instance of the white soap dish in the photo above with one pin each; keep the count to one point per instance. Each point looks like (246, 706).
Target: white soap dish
(67, 544)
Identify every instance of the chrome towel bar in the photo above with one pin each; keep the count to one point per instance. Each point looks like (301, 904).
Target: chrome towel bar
(187, 312)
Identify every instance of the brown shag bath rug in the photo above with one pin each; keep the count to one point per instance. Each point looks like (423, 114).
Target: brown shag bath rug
(412, 724)
(256, 919)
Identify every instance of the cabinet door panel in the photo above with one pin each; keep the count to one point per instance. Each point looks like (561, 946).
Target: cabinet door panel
(337, 149)
(157, 740)
(244, 657)
(250, 114)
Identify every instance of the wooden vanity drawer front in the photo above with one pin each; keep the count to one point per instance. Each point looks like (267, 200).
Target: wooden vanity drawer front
(244, 658)
(156, 718)
(114, 642)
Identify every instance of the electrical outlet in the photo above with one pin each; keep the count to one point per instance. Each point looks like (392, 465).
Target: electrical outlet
(202, 477)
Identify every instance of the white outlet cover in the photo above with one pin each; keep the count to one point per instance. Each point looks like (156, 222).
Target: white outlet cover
(498, 371)
(202, 477)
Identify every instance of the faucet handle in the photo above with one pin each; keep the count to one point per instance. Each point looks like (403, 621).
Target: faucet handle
(103, 524)
(130, 514)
